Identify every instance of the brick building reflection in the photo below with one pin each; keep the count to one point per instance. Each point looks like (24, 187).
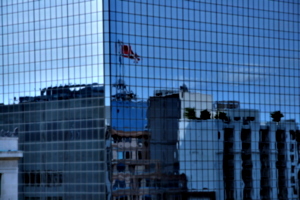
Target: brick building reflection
(133, 172)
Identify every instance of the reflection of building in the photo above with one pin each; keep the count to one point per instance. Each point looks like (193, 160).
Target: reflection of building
(128, 115)
(200, 156)
(62, 135)
(136, 176)
(133, 173)
(136, 172)
(224, 105)
(239, 158)
(163, 115)
(9, 156)
(279, 147)
(165, 110)
(232, 158)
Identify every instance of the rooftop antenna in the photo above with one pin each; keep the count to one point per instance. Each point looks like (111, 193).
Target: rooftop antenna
(122, 93)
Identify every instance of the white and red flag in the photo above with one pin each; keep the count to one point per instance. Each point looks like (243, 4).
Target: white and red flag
(127, 52)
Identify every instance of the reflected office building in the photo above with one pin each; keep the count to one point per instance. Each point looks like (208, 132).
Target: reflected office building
(147, 99)
(239, 158)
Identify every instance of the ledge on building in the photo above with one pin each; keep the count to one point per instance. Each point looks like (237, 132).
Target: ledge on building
(10, 155)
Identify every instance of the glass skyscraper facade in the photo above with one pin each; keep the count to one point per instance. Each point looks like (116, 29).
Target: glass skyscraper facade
(146, 99)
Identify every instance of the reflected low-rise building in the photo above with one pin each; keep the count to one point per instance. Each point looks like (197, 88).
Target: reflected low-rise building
(239, 158)
(132, 169)
(137, 177)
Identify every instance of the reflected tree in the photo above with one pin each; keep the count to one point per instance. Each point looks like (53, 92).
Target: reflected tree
(276, 116)
(222, 116)
(190, 113)
(205, 114)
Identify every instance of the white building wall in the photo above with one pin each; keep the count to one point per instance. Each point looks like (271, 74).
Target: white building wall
(272, 159)
(195, 100)
(243, 113)
(9, 156)
(287, 126)
(200, 155)
(255, 156)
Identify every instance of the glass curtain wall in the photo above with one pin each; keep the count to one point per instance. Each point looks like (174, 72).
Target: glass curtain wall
(219, 82)
(146, 99)
(52, 96)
